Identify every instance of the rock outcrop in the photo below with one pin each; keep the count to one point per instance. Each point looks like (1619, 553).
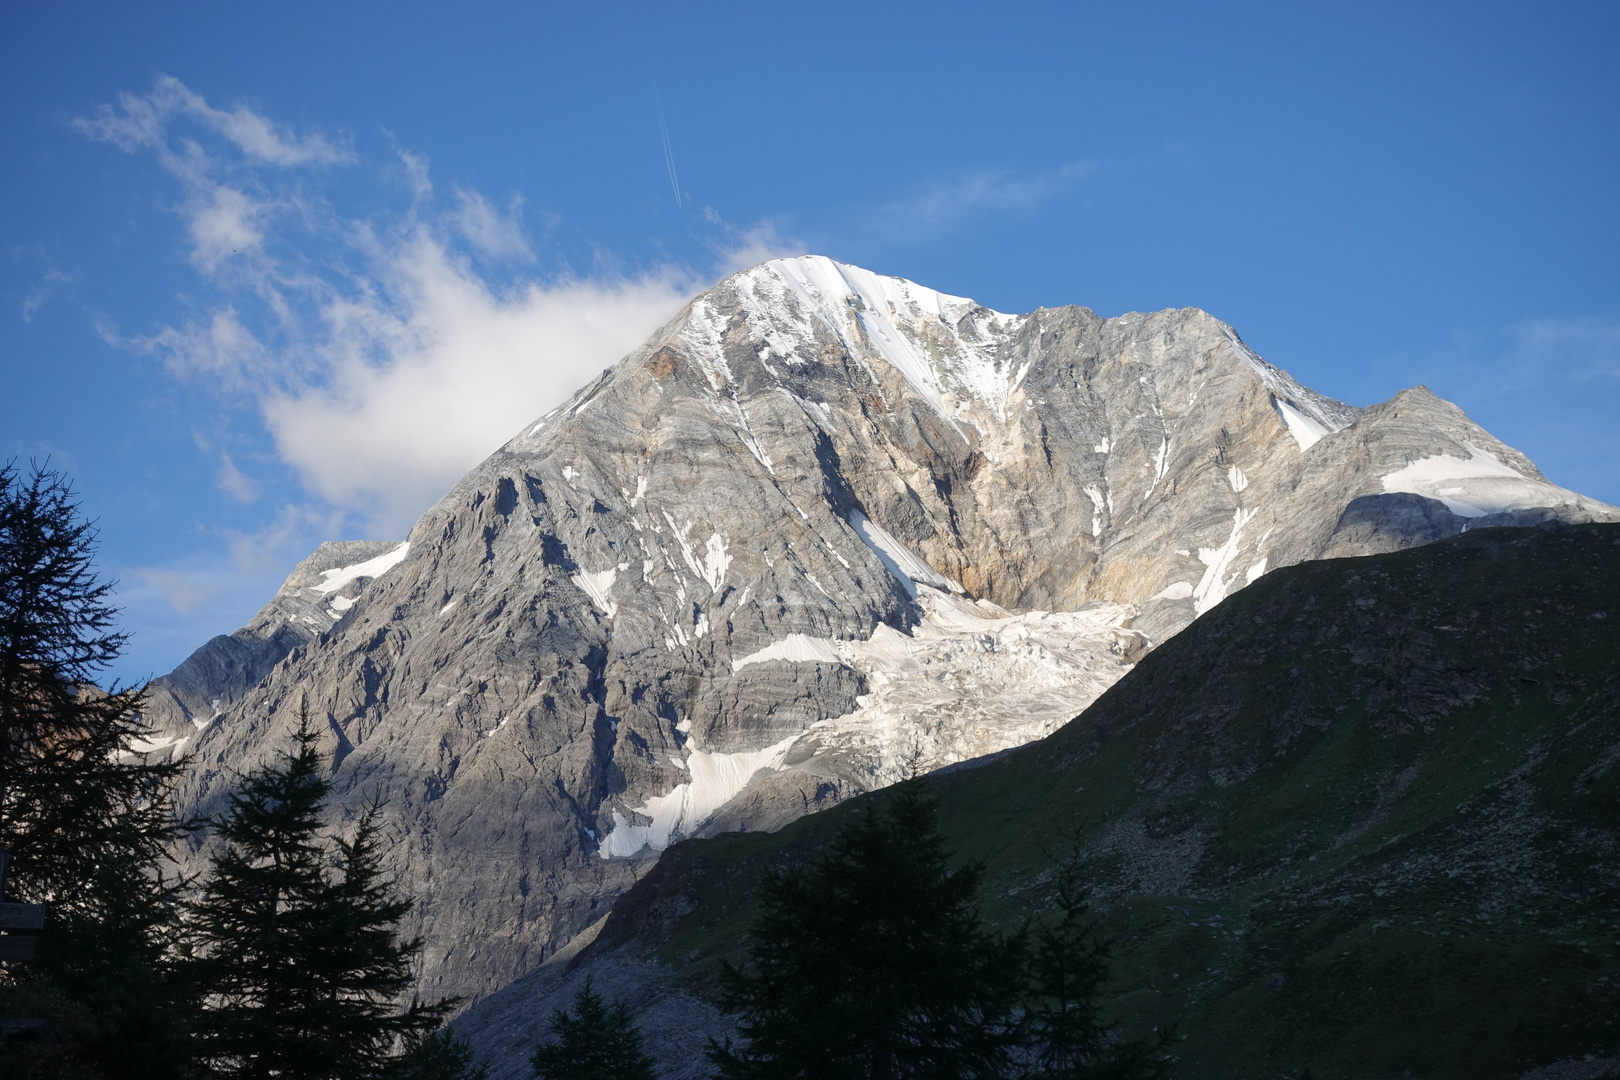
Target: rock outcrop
(824, 530)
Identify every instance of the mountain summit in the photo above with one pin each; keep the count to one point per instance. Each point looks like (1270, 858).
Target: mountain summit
(824, 530)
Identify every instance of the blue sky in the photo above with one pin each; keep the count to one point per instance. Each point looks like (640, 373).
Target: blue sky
(278, 273)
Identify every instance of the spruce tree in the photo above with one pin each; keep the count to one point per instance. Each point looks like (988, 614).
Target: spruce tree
(72, 787)
(873, 963)
(300, 956)
(594, 1042)
(85, 816)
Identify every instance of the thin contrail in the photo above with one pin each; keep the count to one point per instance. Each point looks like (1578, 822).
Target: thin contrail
(669, 155)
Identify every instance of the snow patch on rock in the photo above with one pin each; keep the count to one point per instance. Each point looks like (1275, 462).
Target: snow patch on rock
(798, 648)
(1306, 431)
(907, 566)
(333, 580)
(1308, 415)
(945, 347)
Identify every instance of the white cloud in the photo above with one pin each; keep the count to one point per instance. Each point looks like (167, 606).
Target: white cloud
(382, 364)
(407, 377)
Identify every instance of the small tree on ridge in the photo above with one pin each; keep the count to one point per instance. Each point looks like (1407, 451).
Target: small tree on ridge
(594, 1042)
(873, 963)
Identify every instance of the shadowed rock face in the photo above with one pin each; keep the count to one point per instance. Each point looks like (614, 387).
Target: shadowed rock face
(822, 531)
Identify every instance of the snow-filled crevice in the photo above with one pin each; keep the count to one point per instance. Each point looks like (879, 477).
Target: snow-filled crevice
(906, 566)
(1212, 587)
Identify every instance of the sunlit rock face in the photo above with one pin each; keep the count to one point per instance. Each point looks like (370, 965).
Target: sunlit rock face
(825, 530)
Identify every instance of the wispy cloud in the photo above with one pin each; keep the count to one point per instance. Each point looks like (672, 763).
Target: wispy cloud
(227, 162)
(493, 232)
(1534, 357)
(184, 591)
(216, 345)
(233, 482)
(947, 200)
(1581, 348)
(141, 121)
(264, 554)
(739, 248)
(46, 287)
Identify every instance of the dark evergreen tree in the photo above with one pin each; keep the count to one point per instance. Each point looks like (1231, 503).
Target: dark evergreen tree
(594, 1042)
(874, 963)
(1068, 968)
(85, 816)
(299, 953)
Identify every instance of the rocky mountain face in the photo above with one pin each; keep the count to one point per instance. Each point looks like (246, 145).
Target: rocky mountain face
(1362, 820)
(314, 596)
(824, 531)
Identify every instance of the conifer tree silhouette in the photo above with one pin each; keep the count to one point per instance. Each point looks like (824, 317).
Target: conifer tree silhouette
(1068, 967)
(85, 816)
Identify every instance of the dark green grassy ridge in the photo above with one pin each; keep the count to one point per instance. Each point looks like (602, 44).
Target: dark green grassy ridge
(1363, 818)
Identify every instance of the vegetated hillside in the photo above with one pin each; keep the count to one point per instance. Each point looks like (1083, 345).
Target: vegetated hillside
(1363, 818)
